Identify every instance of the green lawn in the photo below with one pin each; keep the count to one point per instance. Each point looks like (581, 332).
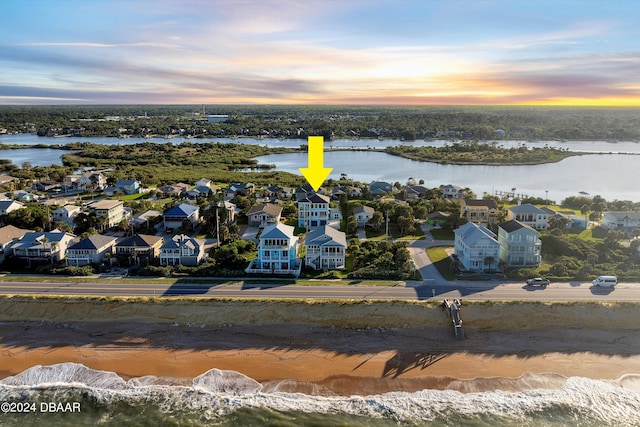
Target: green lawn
(442, 234)
(441, 260)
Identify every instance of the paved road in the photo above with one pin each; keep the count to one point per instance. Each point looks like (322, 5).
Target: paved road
(409, 291)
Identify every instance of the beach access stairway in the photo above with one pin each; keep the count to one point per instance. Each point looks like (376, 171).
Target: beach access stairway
(453, 308)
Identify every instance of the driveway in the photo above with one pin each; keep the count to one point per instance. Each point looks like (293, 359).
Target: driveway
(422, 262)
(250, 233)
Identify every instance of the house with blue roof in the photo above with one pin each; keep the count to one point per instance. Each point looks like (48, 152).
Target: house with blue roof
(182, 250)
(174, 217)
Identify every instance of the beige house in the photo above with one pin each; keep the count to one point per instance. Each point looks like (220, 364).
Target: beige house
(113, 210)
(264, 215)
(481, 212)
(138, 247)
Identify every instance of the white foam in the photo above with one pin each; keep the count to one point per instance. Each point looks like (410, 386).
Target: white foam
(218, 392)
(66, 373)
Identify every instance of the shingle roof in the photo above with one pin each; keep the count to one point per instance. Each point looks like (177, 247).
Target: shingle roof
(266, 207)
(527, 208)
(94, 241)
(277, 231)
(139, 240)
(316, 236)
(514, 225)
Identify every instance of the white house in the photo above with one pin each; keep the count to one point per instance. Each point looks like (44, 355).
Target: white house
(451, 191)
(7, 206)
(66, 214)
(520, 245)
(48, 246)
(363, 214)
(530, 215)
(91, 250)
(621, 220)
(313, 211)
(182, 250)
(325, 248)
(476, 248)
(277, 252)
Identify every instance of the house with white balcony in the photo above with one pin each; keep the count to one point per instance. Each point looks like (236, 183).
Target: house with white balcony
(520, 245)
(313, 211)
(182, 250)
(476, 248)
(326, 248)
(451, 191)
(530, 215)
(277, 252)
(39, 246)
(92, 250)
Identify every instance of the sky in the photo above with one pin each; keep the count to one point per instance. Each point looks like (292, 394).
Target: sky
(429, 52)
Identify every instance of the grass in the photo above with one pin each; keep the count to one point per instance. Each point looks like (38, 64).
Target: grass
(204, 281)
(442, 234)
(441, 260)
(394, 233)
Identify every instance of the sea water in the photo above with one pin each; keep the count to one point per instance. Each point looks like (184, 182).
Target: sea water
(228, 398)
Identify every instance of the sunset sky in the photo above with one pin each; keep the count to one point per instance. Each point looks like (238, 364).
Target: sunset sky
(436, 52)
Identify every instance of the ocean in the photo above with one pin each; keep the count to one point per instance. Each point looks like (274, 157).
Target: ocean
(72, 394)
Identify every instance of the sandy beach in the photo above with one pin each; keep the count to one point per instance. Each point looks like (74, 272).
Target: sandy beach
(327, 360)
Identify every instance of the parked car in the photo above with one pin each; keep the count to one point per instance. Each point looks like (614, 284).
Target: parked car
(538, 281)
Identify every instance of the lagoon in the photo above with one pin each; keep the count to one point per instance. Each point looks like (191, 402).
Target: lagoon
(612, 176)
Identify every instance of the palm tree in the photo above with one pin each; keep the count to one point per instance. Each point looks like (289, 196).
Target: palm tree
(488, 261)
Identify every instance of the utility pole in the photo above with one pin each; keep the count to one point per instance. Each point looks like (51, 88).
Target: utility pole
(217, 225)
(387, 225)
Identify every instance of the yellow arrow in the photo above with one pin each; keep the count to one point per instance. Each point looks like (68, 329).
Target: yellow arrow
(316, 173)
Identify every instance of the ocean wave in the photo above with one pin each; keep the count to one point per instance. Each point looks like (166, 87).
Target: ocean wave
(217, 394)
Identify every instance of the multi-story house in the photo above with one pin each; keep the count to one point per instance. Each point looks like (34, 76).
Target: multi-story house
(530, 215)
(520, 245)
(451, 191)
(139, 247)
(113, 210)
(128, 186)
(277, 252)
(363, 214)
(380, 188)
(482, 212)
(89, 181)
(313, 211)
(91, 250)
(325, 248)
(182, 250)
(476, 248)
(264, 215)
(174, 217)
(66, 214)
(39, 246)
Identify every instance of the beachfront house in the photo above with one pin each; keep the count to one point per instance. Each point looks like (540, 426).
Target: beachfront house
(520, 245)
(476, 248)
(93, 249)
(8, 235)
(182, 250)
(277, 252)
(138, 249)
(43, 247)
(620, 220)
(7, 206)
(528, 214)
(325, 248)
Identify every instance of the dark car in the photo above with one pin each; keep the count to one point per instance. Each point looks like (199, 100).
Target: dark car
(538, 281)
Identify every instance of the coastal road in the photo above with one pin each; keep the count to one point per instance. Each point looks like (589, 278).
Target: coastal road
(418, 290)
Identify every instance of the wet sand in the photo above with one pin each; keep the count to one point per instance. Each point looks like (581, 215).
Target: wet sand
(327, 360)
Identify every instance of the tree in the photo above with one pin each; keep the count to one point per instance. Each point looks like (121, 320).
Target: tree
(376, 220)
(488, 262)
(405, 224)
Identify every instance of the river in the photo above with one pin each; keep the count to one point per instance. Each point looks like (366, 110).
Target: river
(611, 171)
